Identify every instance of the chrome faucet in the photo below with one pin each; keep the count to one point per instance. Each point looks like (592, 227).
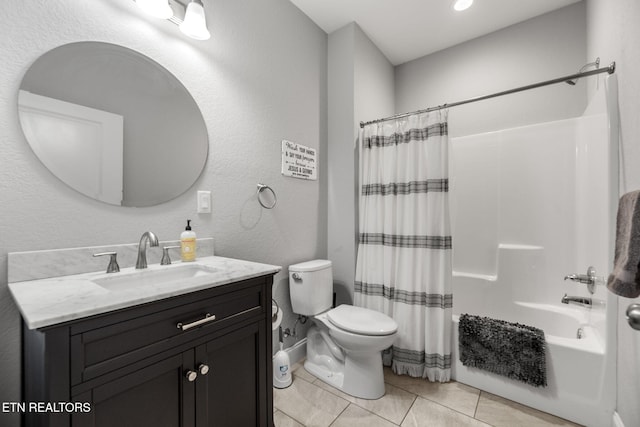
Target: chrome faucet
(581, 301)
(147, 236)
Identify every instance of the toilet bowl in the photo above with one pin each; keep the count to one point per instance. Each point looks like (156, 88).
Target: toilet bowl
(345, 343)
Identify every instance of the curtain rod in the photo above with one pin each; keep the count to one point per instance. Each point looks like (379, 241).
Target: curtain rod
(610, 69)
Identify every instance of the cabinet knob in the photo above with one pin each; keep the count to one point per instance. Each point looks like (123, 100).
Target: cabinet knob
(203, 369)
(191, 376)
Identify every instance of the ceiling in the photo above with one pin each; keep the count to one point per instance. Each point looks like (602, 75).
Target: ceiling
(408, 29)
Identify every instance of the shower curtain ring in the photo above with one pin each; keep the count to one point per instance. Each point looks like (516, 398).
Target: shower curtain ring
(261, 188)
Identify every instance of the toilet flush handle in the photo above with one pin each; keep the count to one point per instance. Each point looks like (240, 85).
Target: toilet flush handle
(296, 277)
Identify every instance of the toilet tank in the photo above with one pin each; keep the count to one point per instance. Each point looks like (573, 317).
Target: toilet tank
(311, 287)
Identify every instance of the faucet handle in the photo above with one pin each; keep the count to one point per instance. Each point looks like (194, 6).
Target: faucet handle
(113, 266)
(166, 260)
(590, 279)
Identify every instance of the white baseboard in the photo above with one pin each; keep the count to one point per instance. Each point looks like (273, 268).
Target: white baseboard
(617, 421)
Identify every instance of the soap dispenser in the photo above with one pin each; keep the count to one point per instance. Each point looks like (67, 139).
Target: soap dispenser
(188, 244)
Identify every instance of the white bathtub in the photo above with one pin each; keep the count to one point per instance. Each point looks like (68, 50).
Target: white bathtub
(524, 217)
(574, 366)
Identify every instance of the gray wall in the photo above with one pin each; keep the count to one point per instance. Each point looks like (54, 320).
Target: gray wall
(360, 88)
(613, 34)
(261, 78)
(542, 48)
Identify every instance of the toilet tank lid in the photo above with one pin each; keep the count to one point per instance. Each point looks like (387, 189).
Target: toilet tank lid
(316, 264)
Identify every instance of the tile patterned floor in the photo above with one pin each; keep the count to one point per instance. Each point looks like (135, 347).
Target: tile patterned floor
(408, 402)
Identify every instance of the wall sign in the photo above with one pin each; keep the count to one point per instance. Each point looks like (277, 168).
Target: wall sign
(299, 161)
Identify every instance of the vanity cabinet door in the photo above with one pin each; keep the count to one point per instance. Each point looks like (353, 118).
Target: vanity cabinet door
(158, 395)
(235, 391)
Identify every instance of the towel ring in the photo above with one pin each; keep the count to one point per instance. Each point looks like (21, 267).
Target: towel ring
(261, 188)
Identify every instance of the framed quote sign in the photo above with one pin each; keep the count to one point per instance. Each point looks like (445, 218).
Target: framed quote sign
(299, 161)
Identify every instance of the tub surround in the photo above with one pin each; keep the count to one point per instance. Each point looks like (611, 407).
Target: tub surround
(58, 293)
(514, 273)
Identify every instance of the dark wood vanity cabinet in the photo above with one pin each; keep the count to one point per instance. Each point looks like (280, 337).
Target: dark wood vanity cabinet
(136, 367)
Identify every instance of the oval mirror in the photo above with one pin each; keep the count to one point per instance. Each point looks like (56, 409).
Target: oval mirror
(112, 124)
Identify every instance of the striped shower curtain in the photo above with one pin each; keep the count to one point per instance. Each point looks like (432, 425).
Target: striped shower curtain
(404, 251)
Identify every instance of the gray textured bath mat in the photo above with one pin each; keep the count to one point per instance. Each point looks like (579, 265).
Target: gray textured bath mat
(509, 349)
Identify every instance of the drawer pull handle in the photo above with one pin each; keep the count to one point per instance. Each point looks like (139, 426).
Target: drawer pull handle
(203, 369)
(207, 318)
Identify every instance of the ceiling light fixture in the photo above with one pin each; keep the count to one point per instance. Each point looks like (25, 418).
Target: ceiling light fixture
(461, 5)
(193, 24)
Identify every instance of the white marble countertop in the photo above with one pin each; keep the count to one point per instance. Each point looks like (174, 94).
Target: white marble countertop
(50, 301)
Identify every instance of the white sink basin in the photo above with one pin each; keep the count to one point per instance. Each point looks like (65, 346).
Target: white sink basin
(165, 275)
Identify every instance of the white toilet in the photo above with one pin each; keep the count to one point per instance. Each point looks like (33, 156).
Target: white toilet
(344, 346)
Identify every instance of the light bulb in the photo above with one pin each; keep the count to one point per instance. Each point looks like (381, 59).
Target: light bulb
(460, 5)
(195, 23)
(157, 8)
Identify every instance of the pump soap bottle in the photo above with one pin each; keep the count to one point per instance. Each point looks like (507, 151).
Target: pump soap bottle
(188, 244)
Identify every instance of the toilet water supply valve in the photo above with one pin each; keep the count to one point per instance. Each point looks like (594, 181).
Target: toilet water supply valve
(277, 311)
(288, 333)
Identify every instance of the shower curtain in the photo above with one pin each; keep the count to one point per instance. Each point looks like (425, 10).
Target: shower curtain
(403, 266)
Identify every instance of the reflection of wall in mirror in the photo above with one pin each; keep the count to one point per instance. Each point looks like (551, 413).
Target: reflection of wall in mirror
(80, 145)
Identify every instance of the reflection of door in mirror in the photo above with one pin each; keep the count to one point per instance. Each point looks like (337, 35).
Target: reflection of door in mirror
(82, 146)
(165, 144)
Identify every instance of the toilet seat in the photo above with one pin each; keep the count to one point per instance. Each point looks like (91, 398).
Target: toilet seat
(363, 321)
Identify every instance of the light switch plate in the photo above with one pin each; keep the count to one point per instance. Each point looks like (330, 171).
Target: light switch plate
(204, 201)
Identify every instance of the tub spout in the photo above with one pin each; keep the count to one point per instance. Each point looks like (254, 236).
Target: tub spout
(581, 301)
